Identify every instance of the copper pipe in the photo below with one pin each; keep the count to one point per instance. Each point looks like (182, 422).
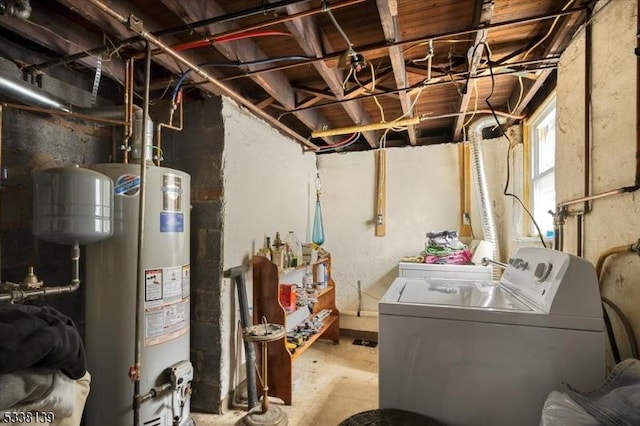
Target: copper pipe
(597, 196)
(136, 25)
(631, 248)
(64, 113)
(168, 125)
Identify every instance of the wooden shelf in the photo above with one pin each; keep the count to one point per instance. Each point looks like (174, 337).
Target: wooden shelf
(328, 322)
(266, 303)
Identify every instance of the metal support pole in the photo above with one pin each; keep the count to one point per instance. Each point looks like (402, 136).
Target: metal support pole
(237, 274)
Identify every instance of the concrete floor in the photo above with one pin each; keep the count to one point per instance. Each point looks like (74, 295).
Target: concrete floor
(331, 383)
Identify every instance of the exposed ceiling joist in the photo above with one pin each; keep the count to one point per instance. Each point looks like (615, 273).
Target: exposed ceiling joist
(481, 17)
(274, 83)
(306, 92)
(388, 11)
(311, 39)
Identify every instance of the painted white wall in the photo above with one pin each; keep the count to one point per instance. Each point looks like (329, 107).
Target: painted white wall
(614, 221)
(422, 196)
(267, 180)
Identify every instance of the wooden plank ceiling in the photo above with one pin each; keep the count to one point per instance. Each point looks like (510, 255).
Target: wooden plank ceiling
(310, 66)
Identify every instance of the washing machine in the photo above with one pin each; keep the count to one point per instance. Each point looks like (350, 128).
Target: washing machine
(480, 352)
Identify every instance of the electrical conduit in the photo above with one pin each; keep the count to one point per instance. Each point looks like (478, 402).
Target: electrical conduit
(486, 208)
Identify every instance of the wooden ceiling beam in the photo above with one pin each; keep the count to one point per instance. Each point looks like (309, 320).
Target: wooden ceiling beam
(388, 11)
(265, 102)
(482, 12)
(315, 92)
(275, 83)
(311, 39)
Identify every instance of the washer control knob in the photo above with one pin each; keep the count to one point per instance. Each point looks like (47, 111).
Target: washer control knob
(542, 271)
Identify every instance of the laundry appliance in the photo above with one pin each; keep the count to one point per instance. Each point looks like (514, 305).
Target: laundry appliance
(475, 352)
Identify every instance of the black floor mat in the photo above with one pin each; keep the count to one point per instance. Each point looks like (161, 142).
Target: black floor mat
(367, 343)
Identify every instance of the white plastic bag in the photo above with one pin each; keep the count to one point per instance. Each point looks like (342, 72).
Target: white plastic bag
(560, 410)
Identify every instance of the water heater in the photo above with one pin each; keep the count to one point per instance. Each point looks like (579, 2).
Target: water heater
(111, 280)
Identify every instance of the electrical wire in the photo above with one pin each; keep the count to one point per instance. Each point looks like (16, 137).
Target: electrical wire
(233, 65)
(626, 325)
(339, 145)
(555, 21)
(519, 96)
(511, 145)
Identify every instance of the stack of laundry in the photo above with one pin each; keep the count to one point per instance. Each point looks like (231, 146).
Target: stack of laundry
(444, 247)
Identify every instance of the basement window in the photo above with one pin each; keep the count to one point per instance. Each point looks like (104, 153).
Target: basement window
(541, 139)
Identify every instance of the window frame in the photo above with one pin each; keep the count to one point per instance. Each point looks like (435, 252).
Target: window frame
(530, 161)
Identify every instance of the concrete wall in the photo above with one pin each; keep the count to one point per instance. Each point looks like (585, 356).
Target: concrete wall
(422, 196)
(268, 184)
(614, 221)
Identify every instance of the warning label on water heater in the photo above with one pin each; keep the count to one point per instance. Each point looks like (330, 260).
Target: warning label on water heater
(166, 322)
(166, 307)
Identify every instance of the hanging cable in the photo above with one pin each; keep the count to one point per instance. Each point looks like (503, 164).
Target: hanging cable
(626, 325)
(511, 145)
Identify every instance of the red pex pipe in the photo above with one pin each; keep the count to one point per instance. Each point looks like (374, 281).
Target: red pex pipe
(210, 40)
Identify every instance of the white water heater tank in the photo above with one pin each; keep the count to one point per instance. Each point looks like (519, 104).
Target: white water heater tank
(111, 280)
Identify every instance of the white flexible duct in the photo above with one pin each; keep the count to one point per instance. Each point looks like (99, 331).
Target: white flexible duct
(486, 208)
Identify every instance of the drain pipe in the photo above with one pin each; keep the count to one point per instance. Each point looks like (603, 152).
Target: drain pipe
(486, 208)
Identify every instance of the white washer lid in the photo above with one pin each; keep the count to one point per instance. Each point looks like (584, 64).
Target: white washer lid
(466, 294)
(437, 267)
(420, 302)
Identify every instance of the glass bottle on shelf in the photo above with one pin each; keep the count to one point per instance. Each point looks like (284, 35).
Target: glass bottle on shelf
(318, 230)
(277, 252)
(295, 256)
(266, 250)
